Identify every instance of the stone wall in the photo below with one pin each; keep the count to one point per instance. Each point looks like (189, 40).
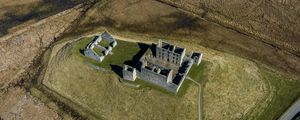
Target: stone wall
(173, 87)
(107, 37)
(197, 57)
(91, 54)
(161, 72)
(184, 70)
(153, 77)
(158, 79)
(169, 55)
(129, 73)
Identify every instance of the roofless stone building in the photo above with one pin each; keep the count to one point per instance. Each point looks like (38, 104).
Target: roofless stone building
(101, 46)
(163, 64)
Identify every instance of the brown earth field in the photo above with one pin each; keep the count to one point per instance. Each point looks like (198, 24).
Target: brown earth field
(278, 19)
(265, 31)
(146, 16)
(24, 38)
(15, 14)
(16, 104)
(273, 22)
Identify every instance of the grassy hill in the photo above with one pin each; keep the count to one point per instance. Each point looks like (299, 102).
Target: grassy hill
(104, 96)
(235, 88)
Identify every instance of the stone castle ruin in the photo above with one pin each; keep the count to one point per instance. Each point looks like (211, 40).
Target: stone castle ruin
(101, 46)
(163, 64)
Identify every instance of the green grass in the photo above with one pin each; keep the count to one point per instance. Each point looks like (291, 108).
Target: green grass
(198, 73)
(98, 51)
(104, 43)
(123, 52)
(285, 91)
(184, 87)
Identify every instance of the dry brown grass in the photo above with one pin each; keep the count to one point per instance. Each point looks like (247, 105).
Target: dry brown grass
(17, 14)
(8, 5)
(9, 12)
(233, 89)
(154, 18)
(17, 104)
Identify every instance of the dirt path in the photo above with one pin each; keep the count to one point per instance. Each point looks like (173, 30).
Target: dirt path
(57, 47)
(129, 39)
(199, 97)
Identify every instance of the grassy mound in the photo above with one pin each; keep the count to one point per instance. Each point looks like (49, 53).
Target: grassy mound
(235, 88)
(103, 95)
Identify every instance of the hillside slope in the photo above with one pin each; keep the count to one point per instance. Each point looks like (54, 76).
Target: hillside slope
(20, 51)
(272, 22)
(163, 20)
(17, 14)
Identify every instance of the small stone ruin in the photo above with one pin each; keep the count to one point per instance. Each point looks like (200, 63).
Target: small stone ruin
(96, 50)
